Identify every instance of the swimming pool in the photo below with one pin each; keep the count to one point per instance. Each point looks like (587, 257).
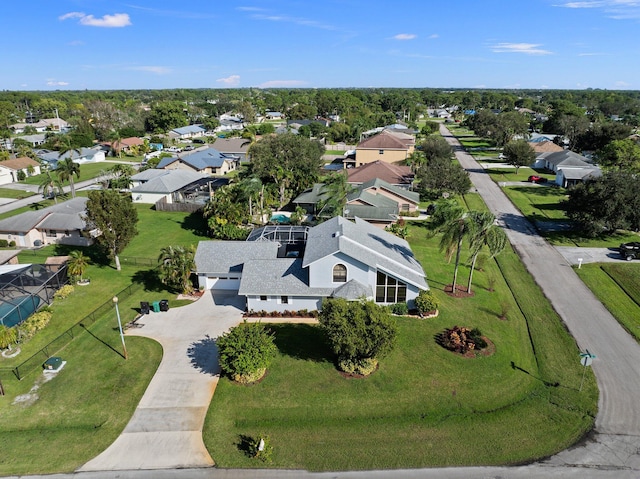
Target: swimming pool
(280, 218)
(19, 309)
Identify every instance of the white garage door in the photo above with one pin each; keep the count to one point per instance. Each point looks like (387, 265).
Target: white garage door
(224, 282)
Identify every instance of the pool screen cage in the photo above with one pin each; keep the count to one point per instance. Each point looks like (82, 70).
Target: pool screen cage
(26, 287)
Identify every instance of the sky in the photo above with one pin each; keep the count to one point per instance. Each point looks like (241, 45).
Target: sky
(136, 44)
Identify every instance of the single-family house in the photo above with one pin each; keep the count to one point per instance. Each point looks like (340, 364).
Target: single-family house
(567, 177)
(570, 168)
(273, 115)
(86, 155)
(170, 186)
(394, 174)
(186, 132)
(205, 160)
(387, 146)
(337, 258)
(233, 147)
(9, 169)
(45, 124)
(62, 223)
(35, 140)
(123, 145)
(375, 201)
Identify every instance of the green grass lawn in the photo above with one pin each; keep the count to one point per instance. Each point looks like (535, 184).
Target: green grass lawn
(87, 172)
(509, 174)
(538, 203)
(15, 194)
(424, 406)
(617, 286)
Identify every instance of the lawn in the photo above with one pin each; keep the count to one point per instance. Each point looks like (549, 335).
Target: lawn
(617, 286)
(509, 174)
(87, 172)
(424, 406)
(15, 194)
(538, 203)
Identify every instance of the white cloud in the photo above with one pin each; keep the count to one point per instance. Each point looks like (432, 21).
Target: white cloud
(435, 35)
(305, 22)
(282, 83)
(615, 9)
(53, 82)
(622, 84)
(109, 21)
(526, 48)
(232, 80)
(405, 36)
(250, 9)
(590, 54)
(158, 70)
(75, 43)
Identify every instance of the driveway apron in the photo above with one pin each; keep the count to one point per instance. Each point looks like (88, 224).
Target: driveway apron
(166, 428)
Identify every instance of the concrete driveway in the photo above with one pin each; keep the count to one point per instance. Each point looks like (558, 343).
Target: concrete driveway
(166, 428)
(573, 255)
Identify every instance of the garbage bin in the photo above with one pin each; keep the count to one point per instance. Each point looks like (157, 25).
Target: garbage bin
(144, 307)
(156, 306)
(53, 363)
(164, 305)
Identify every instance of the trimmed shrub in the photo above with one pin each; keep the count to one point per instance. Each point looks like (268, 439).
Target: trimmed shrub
(12, 244)
(34, 323)
(3, 243)
(363, 367)
(400, 309)
(63, 292)
(426, 302)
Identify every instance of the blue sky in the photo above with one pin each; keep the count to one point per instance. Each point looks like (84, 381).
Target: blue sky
(107, 44)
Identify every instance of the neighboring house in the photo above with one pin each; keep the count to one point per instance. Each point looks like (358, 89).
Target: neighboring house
(397, 175)
(570, 168)
(387, 146)
(185, 132)
(205, 160)
(9, 169)
(375, 201)
(229, 123)
(338, 258)
(233, 147)
(171, 186)
(35, 140)
(123, 146)
(51, 158)
(46, 124)
(273, 115)
(57, 224)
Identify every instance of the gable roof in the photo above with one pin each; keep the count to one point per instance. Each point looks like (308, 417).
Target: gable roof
(231, 145)
(352, 290)
(172, 180)
(229, 256)
(284, 276)
(545, 146)
(66, 215)
(185, 130)
(149, 174)
(385, 140)
(199, 159)
(19, 163)
(377, 183)
(55, 156)
(580, 173)
(389, 172)
(567, 158)
(367, 244)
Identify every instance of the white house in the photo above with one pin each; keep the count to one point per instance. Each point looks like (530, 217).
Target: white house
(86, 155)
(295, 268)
(10, 168)
(151, 186)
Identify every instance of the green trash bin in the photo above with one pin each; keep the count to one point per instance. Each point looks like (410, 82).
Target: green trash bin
(156, 306)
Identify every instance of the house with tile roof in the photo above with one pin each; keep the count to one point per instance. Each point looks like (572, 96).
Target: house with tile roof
(339, 258)
(387, 146)
(10, 168)
(123, 145)
(62, 223)
(205, 160)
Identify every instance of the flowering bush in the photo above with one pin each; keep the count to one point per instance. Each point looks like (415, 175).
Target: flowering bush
(63, 292)
(34, 323)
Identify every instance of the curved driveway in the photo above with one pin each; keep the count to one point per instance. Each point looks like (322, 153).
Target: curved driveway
(616, 442)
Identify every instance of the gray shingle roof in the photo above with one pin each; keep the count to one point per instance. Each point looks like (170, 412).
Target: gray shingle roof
(567, 158)
(229, 256)
(199, 159)
(149, 174)
(170, 182)
(185, 130)
(372, 213)
(367, 244)
(66, 215)
(353, 290)
(402, 192)
(580, 173)
(284, 277)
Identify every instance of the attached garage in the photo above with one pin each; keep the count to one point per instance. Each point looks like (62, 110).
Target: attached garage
(229, 283)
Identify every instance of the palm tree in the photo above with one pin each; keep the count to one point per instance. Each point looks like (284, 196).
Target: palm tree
(65, 170)
(121, 175)
(250, 188)
(484, 232)
(78, 263)
(334, 196)
(50, 185)
(176, 265)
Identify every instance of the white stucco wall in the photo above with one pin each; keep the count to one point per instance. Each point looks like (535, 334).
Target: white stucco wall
(274, 303)
(321, 272)
(148, 198)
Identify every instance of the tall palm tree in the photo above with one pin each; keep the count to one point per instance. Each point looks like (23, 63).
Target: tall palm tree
(50, 185)
(78, 263)
(65, 170)
(484, 233)
(250, 188)
(176, 265)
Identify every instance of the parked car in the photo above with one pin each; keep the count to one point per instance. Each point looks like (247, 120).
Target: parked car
(630, 251)
(537, 179)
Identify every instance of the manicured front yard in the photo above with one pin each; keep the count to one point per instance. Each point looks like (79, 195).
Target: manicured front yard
(424, 406)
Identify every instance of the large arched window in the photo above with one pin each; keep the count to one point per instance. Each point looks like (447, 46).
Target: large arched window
(339, 273)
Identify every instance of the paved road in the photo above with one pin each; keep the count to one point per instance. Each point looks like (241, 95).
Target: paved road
(616, 442)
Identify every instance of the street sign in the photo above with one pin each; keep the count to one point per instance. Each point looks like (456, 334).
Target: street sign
(586, 360)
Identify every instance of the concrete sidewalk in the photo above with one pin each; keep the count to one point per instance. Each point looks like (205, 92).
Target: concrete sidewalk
(166, 428)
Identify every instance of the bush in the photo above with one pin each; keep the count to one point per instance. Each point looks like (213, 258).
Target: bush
(400, 309)
(63, 292)
(34, 323)
(3, 243)
(12, 244)
(363, 367)
(426, 302)
(462, 340)
(246, 351)
(358, 331)
(21, 176)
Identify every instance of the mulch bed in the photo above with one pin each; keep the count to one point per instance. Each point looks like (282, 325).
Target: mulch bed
(474, 353)
(460, 292)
